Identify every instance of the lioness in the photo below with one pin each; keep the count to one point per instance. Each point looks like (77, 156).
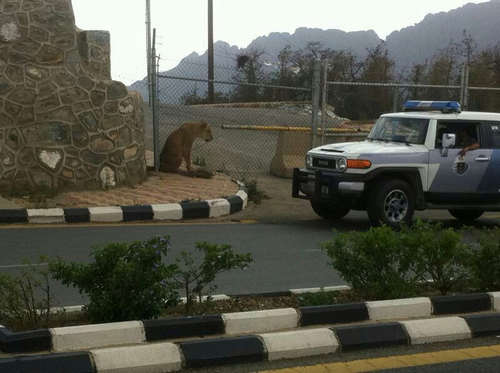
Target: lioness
(179, 144)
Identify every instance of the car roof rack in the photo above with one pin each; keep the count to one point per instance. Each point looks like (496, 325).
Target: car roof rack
(445, 107)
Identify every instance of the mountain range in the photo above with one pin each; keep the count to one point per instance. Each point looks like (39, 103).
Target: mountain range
(413, 44)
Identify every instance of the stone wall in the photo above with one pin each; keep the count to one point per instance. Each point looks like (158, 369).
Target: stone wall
(63, 122)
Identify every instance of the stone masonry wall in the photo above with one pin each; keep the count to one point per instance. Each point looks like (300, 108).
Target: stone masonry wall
(63, 122)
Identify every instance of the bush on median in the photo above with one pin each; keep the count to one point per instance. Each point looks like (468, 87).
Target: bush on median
(132, 281)
(384, 264)
(373, 262)
(485, 260)
(437, 254)
(124, 282)
(26, 299)
(194, 278)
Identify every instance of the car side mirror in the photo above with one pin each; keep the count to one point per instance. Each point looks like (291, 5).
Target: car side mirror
(449, 140)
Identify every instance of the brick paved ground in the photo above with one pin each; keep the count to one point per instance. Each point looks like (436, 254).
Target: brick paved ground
(159, 188)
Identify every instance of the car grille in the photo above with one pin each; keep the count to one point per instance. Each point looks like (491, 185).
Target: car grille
(327, 163)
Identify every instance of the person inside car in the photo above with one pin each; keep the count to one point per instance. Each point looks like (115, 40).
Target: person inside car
(466, 142)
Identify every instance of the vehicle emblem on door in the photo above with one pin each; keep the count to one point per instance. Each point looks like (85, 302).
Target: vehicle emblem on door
(460, 166)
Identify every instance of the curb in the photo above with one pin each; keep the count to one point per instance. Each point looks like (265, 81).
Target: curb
(116, 214)
(203, 353)
(132, 332)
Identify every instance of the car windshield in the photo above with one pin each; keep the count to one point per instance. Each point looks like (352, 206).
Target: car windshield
(405, 130)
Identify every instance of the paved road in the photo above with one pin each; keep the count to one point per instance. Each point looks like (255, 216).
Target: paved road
(478, 355)
(286, 255)
(469, 366)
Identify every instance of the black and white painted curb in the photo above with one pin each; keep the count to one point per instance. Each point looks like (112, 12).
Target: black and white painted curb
(135, 332)
(202, 353)
(116, 214)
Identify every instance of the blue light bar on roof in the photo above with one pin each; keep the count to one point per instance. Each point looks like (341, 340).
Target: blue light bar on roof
(443, 106)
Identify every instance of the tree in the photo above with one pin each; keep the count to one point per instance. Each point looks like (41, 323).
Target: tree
(485, 72)
(377, 68)
(418, 76)
(284, 72)
(345, 66)
(249, 71)
(444, 69)
(468, 48)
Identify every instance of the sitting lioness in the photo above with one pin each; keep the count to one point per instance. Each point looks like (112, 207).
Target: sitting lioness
(179, 144)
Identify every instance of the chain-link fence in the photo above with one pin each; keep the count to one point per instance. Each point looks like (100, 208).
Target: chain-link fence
(262, 126)
(246, 120)
(484, 99)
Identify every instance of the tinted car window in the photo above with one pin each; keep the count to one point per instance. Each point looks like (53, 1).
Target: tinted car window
(494, 131)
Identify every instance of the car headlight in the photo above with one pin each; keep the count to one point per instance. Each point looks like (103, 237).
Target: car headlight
(309, 160)
(342, 164)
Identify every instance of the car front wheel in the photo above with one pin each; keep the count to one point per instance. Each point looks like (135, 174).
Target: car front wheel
(329, 211)
(392, 203)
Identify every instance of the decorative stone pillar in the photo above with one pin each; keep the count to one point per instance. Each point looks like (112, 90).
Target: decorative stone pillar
(63, 122)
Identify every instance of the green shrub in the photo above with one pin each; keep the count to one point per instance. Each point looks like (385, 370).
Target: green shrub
(26, 300)
(194, 278)
(373, 262)
(124, 282)
(437, 253)
(485, 263)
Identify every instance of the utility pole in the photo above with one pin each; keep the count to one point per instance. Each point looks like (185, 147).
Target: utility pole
(211, 92)
(148, 46)
(154, 105)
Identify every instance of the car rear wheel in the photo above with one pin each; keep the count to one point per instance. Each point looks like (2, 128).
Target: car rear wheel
(329, 211)
(392, 203)
(466, 215)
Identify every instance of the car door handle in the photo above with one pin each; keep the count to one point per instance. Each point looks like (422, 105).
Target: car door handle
(482, 159)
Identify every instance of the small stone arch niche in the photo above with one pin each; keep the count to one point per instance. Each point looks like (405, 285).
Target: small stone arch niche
(64, 124)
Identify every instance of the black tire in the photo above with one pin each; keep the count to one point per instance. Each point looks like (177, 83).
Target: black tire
(328, 211)
(466, 215)
(391, 202)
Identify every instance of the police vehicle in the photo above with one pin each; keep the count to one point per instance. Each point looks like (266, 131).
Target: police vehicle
(431, 156)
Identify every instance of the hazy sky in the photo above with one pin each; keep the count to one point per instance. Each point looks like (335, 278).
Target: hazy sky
(182, 24)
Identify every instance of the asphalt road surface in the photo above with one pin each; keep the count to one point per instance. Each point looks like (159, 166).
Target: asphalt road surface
(444, 357)
(286, 255)
(469, 366)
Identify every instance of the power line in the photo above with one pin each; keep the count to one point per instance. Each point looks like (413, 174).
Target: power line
(289, 42)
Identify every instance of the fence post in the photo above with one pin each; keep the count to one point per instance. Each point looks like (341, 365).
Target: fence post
(154, 105)
(462, 84)
(211, 76)
(395, 100)
(464, 87)
(324, 97)
(316, 90)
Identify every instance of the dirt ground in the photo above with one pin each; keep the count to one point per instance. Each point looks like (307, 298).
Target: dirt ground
(280, 207)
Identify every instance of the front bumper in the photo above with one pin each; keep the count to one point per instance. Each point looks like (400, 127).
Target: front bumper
(327, 186)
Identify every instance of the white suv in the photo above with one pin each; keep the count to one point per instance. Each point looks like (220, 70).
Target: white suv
(431, 156)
